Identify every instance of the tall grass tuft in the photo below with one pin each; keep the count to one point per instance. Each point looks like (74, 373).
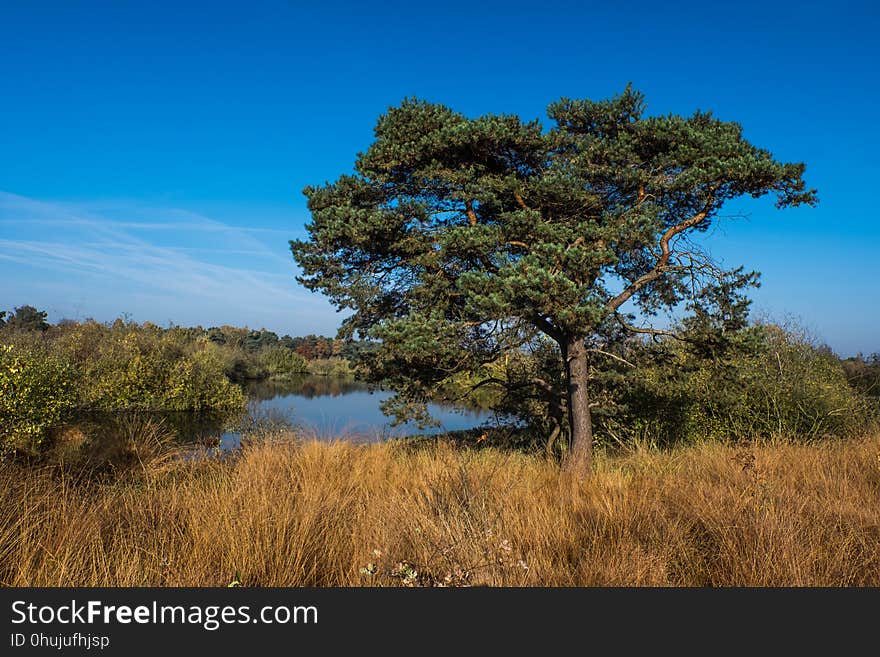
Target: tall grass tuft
(306, 513)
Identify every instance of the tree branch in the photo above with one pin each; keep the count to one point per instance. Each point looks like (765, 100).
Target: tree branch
(610, 355)
(472, 216)
(472, 388)
(541, 383)
(663, 260)
(551, 440)
(575, 244)
(544, 325)
(647, 330)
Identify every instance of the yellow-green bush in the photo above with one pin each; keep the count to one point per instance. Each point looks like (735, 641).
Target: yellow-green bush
(775, 384)
(145, 368)
(197, 382)
(330, 367)
(282, 361)
(37, 393)
(788, 389)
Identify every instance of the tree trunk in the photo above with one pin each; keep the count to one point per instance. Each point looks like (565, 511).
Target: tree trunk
(579, 458)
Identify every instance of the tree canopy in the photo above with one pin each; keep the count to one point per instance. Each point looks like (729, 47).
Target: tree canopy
(27, 318)
(459, 241)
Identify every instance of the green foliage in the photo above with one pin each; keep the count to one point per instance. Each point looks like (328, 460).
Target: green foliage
(768, 383)
(129, 367)
(37, 393)
(240, 366)
(48, 378)
(254, 355)
(258, 340)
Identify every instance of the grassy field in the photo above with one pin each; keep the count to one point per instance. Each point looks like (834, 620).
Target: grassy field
(289, 513)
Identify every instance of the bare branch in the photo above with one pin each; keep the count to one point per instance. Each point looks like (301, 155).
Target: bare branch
(610, 355)
(662, 261)
(647, 330)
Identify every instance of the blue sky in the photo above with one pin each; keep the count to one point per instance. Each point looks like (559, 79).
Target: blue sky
(152, 155)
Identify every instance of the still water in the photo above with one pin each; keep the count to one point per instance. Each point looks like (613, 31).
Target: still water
(327, 407)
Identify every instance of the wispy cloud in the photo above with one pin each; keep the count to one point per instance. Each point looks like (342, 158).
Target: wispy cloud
(139, 225)
(236, 277)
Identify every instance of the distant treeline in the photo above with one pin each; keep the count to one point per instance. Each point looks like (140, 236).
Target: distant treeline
(249, 354)
(309, 346)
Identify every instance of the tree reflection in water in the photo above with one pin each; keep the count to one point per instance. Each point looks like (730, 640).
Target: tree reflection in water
(305, 385)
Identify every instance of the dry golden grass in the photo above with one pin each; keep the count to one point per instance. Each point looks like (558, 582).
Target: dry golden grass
(339, 514)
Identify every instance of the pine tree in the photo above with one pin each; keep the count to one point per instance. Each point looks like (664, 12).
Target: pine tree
(459, 240)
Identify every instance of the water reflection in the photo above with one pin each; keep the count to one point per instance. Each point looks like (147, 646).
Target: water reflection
(305, 385)
(316, 405)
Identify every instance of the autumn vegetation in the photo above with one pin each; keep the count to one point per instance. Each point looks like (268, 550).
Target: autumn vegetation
(291, 512)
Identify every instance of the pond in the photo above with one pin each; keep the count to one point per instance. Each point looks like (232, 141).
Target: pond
(327, 407)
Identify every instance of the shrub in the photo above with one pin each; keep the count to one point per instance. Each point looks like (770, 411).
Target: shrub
(771, 383)
(338, 367)
(145, 368)
(37, 393)
(788, 388)
(282, 361)
(197, 383)
(241, 366)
